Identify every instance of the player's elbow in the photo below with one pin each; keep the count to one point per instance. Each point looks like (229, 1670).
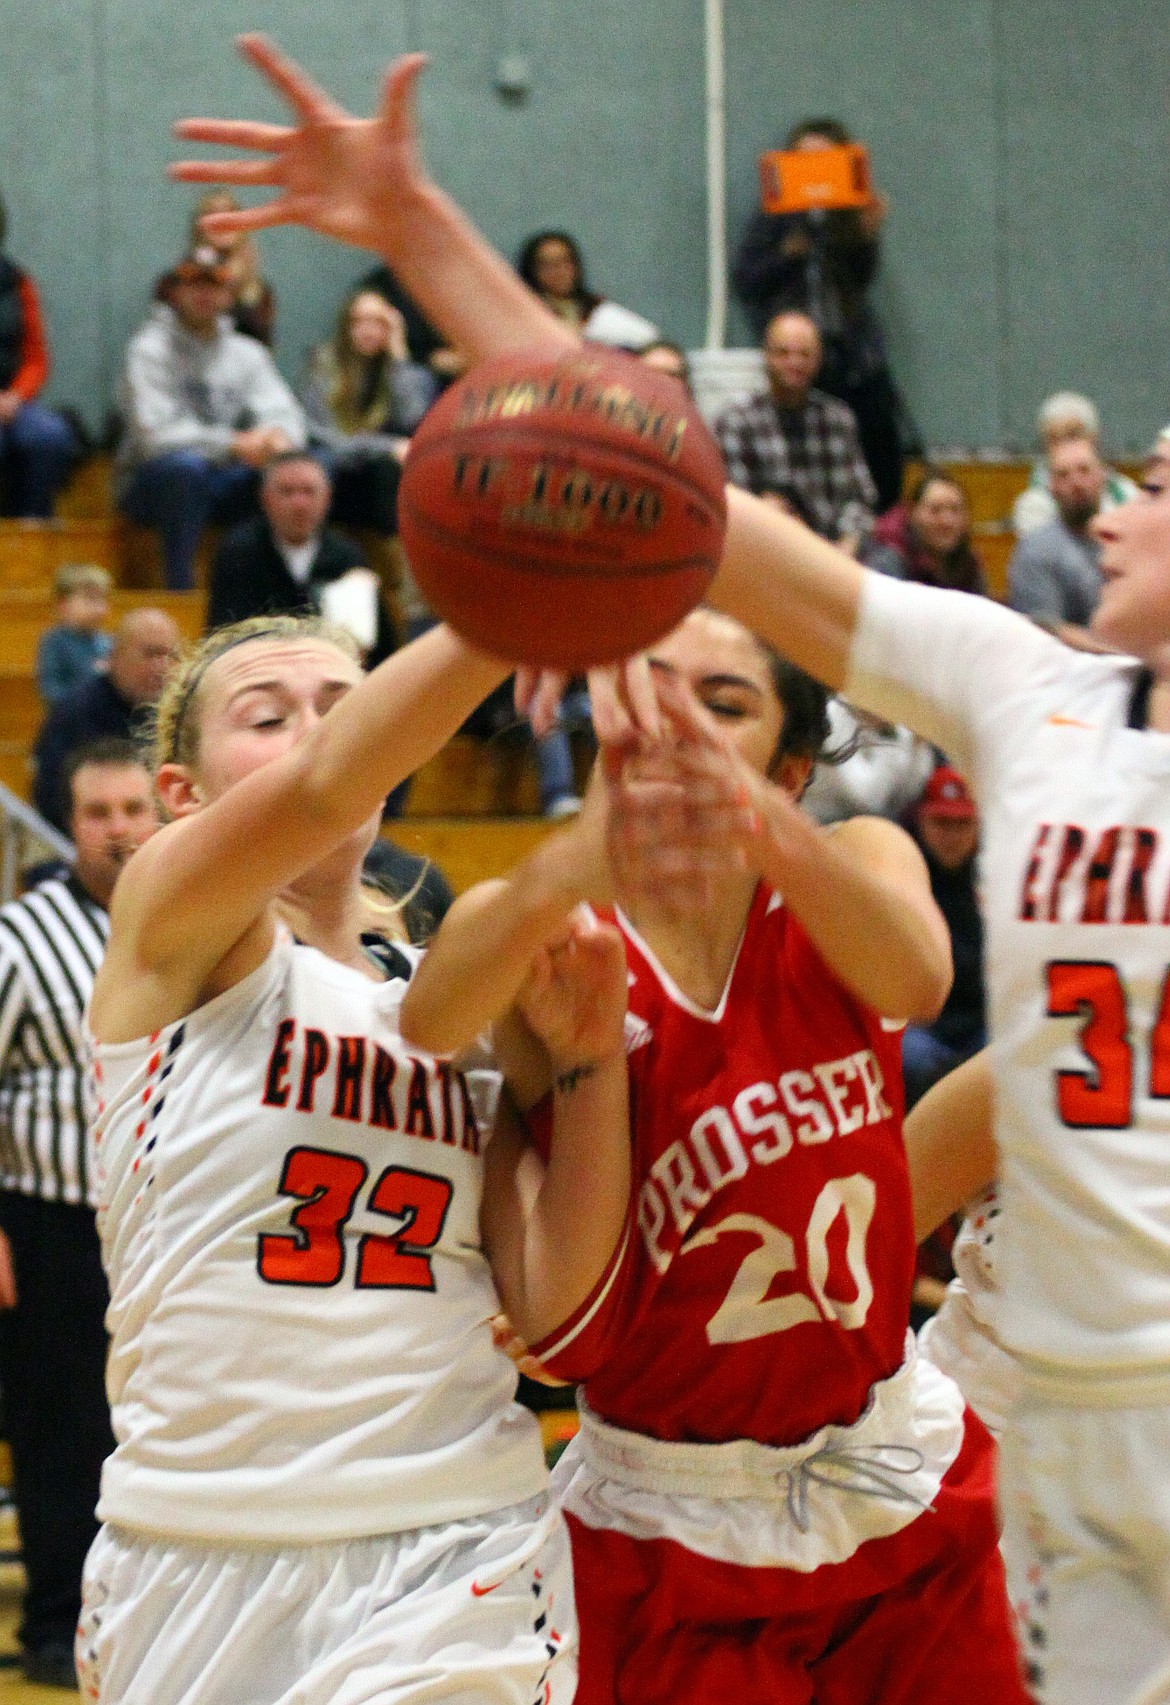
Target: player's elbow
(927, 975)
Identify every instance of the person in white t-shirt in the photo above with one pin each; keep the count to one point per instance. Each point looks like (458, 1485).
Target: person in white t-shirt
(1068, 756)
(322, 1491)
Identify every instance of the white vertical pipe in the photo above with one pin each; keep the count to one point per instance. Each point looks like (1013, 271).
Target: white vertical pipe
(716, 177)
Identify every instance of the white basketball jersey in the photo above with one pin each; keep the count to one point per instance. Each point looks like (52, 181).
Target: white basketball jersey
(290, 1224)
(1075, 869)
(963, 1337)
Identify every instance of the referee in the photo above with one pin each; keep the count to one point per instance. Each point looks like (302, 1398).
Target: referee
(52, 1335)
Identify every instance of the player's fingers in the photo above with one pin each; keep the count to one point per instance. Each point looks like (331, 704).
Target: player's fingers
(234, 133)
(398, 110)
(638, 683)
(545, 700)
(226, 172)
(612, 722)
(279, 212)
(300, 91)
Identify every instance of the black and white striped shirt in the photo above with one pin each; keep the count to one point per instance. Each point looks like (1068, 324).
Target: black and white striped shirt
(51, 944)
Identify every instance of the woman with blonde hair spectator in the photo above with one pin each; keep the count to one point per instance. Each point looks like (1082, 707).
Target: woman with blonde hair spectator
(364, 398)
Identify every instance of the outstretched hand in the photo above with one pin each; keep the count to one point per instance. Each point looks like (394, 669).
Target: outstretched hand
(346, 177)
(622, 701)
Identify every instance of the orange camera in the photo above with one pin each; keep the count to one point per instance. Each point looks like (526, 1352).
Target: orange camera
(798, 180)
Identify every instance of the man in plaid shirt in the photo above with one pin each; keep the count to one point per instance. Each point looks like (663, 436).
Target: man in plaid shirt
(798, 444)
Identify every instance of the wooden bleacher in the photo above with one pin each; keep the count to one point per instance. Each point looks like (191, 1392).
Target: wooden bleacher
(474, 810)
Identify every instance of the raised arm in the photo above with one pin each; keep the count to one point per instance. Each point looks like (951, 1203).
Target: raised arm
(200, 884)
(553, 1227)
(950, 1144)
(361, 181)
(861, 890)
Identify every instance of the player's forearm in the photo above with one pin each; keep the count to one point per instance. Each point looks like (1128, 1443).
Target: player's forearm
(950, 1144)
(276, 823)
(579, 1215)
(883, 937)
(464, 287)
(799, 593)
(484, 948)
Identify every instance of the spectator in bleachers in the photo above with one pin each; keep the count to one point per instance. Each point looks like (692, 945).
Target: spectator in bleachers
(364, 398)
(52, 1290)
(928, 538)
(204, 410)
(1054, 574)
(74, 648)
(667, 357)
(550, 264)
(869, 768)
(108, 706)
(253, 306)
(1063, 416)
(37, 448)
(794, 439)
(422, 340)
(287, 560)
(946, 827)
(823, 264)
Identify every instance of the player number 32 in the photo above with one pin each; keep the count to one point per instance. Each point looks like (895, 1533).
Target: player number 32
(327, 1184)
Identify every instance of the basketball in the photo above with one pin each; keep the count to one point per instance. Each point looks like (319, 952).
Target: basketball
(563, 511)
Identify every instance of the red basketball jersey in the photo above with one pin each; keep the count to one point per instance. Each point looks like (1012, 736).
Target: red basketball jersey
(764, 1284)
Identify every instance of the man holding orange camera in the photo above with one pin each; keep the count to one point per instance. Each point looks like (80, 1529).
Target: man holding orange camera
(822, 261)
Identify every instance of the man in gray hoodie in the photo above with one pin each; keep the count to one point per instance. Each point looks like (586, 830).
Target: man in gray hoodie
(204, 410)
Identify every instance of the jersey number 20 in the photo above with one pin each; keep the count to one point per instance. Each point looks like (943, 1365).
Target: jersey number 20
(747, 1311)
(327, 1186)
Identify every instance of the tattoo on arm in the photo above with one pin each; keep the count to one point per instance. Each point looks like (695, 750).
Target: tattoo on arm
(567, 1081)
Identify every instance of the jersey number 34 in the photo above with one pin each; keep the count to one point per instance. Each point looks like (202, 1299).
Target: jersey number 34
(1103, 1097)
(327, 1186)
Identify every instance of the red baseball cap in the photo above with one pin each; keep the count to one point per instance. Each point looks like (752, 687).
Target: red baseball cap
(945, 795)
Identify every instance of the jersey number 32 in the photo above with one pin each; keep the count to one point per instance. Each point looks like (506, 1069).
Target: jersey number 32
(327, 1186)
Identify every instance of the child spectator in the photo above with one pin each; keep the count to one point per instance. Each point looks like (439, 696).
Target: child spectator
(74, 648)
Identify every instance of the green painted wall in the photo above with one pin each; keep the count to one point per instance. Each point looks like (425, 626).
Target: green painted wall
(1025, 146)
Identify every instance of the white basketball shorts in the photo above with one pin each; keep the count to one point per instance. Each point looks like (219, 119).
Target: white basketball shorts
(1085, 1496)
(477, 1612)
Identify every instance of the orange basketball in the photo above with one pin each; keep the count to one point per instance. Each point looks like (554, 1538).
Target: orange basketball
(563, 511)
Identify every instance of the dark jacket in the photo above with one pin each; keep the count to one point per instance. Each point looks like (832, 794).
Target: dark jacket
(11, 322)
(962, 1022)
(93, 711)
(823, 267)
(249, 577)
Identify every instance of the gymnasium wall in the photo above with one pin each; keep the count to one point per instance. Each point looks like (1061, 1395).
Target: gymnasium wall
(1025, 146)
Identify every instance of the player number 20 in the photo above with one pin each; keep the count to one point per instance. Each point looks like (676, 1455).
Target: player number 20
(747, 1311)
(327, 1185)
